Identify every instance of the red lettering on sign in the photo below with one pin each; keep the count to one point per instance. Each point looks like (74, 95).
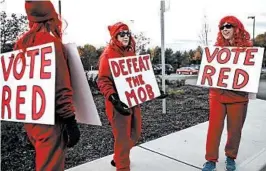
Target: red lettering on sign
(128, 79)
(19, 57)
(19, 101)
(222, 76)
(135, 81)
(237, 53)
(32, 54)
(149, 91)
(122, 66)
(6, 98)
(208, 72)
(142, 94)
(227, 58)
(146, 59)
(250, 56)
(134, 61)
(44, 63)
(209, 56)
(141, 81)
(38, 90)
(129, 65)
(141, 65)
(236, 84)
(115, 68)
(131, 95)
(6, 71)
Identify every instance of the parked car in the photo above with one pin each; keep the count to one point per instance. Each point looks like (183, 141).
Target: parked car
(195, 66)
(263, 70)
(157, 68)
(187, 71)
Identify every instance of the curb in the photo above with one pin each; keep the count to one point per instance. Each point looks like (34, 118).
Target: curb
(256, 162)
(263, 168)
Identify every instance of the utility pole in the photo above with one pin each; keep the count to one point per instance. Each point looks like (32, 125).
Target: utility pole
(253, 17)
(59, 5)
(162, 52)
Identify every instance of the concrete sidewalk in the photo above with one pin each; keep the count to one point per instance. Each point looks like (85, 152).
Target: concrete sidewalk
(185, 150)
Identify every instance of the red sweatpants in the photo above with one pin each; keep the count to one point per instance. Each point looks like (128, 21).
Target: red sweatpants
(126, 131)
(49, 144)
(236, 115)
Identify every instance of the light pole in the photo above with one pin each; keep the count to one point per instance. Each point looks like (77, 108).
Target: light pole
(162, 52)
(253, 17)
(59, 6)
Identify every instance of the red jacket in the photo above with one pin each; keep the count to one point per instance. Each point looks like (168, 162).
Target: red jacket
(228, 96)
(105, 80)
(64, 107)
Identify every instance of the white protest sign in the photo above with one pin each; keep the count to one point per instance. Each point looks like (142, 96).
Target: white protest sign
(134, 79)
(231, 68)
(28, 85)
(86, 111)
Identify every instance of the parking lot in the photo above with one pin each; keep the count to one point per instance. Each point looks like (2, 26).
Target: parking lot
(192, 80)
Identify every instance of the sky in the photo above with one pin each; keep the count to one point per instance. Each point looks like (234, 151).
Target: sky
(88, 19)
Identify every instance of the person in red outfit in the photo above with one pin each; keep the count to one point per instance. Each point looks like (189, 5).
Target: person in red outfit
(232, 104)
(50, 141)
(125, 122)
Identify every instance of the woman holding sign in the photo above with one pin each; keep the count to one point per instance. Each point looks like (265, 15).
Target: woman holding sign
(232, 104)
(50, 141)
(125, 122)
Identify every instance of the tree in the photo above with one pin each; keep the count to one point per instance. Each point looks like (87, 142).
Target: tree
(191, 54)
(197, 55)
(149, 51)
(169, 56)
(89, 56)
(185, 59)
(141, 42)
(260, 40)
(11, 27)
(203, 36)
(142, 52)
(156, 55)
(178, 59)
(100, 50)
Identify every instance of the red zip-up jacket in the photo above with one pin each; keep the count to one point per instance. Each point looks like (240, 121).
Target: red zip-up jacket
(105, 80)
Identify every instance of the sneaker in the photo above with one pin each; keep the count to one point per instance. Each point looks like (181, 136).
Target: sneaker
(230, 164)
(209, 166)
(113, 163)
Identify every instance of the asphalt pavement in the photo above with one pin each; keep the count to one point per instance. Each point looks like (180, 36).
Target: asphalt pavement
(192, 80)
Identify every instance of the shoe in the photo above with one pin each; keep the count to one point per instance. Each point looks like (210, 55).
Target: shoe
(209, 166)
(230, 164)
(113, 163)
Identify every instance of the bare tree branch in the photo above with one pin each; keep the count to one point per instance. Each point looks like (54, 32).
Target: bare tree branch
(203, 36)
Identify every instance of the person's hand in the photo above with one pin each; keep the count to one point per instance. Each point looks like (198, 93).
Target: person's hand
(72, 131)
(121, 107)
(163, 95)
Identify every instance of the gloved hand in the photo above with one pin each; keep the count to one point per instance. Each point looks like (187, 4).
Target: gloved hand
(72, 131)
(163, 95)
(121, 107)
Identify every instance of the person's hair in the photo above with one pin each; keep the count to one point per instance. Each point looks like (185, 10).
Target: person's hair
(27, 39)
(241, 38)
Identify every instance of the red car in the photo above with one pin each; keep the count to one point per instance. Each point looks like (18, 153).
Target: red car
(187, 71)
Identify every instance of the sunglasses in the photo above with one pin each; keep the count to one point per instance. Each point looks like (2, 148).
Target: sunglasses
(124, 33)
(228, 26)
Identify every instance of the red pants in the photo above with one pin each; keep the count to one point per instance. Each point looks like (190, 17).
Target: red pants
(126, 131)
(236, 114)
(49, 144)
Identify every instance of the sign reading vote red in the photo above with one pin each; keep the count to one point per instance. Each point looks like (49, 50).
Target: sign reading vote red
(28, 85)
(134, 79)
(231, 68)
